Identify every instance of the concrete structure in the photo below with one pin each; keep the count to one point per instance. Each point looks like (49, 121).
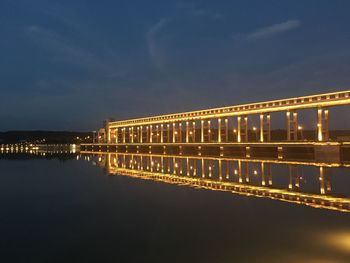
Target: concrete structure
(228, 127)
(226, 124)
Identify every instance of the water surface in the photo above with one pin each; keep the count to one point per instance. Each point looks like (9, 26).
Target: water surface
(60, 209)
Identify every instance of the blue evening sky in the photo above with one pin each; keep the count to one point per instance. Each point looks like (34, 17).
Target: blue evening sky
(67, 65)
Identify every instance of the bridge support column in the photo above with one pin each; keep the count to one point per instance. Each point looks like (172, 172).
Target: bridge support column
(187, 132)
(322, 181)
(209, 131)
(157, 133)
(180, 132)
(292, 125)
(203, 168)
(219, 130)
(123, 134)
(168, 132)
(247, 179)
(193, 132)
(265, 127)
(174, 132)
(226, 130)
(263, 182)
(245, 128)
(239, 139)
(240, 171)
(202, 131)
(141, 135)
(132, 135)
(242, 129)
(322, 125)
(187, 166)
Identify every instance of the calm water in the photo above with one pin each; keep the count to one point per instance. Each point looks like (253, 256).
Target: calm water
(69, 210)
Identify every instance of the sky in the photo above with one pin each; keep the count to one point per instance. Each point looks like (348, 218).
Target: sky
(68, 65)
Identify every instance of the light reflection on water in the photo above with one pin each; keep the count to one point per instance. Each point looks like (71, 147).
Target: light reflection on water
(310, 184)
(58, 207)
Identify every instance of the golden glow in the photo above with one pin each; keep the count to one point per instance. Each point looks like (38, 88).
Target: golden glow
(339, 240)
(255, 160)
(324, 201)
(314, 101)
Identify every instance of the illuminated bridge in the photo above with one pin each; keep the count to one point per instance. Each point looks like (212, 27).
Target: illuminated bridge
(227, 129)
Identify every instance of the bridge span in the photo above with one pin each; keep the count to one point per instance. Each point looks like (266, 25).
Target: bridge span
(228, 126)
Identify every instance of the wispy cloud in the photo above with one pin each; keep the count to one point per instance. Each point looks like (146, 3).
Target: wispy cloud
(65, 50)
(272, 30)
(153, 48)
(156, 50)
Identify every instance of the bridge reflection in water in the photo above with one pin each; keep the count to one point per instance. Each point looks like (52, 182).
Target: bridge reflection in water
(240, 176)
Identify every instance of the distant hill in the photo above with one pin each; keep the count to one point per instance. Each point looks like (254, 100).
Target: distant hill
(49, 137)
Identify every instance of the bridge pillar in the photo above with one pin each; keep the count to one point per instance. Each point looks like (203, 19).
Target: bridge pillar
(193, 132)
(322, 180)
(226, 130)
(174, 132)
(263, 182)
(222, 131)
(294, 180)
(239, 139)
(147, 134)
(322, 125)
(292, 125)
(242, 129)
(269, 173)
(265, 127)
(219, 130)
(168, 132)
(123, 134)
(247, 179)
(203, 171)
(117, 135)
(240, 171)
(132, 135)
(202, 131)
(194, 167)
(141, 134)
(187, 132)
(187, 166)
(157, 133)
(209, 131)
